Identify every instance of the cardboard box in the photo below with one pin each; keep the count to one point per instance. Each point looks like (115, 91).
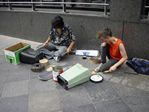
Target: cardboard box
(12, 53)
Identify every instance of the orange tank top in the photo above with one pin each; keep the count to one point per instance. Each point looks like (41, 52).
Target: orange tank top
(115, 51)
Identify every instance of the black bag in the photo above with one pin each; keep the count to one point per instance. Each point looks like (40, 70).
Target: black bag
(139, 65)
(30, 56)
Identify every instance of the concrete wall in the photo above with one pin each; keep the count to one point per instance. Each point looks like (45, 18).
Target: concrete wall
(124, 21)
(125, 10)
(136, 38)
(36, 26)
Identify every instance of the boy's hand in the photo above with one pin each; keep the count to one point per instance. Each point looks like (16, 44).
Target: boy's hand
(113, 68)
(68, 50)
(45, 44)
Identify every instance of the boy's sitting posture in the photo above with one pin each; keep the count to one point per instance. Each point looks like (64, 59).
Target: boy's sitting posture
(60, 38)
(114, 49)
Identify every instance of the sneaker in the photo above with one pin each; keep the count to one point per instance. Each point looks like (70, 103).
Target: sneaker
(57, 58)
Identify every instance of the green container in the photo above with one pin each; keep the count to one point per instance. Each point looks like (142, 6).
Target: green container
(12, 53)
(76, 75)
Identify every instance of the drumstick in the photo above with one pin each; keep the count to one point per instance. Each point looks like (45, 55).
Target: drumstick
(107, 71)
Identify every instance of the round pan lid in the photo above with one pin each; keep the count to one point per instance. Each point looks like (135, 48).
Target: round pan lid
(96, 78)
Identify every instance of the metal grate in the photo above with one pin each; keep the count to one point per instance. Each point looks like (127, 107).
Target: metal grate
(86, 5)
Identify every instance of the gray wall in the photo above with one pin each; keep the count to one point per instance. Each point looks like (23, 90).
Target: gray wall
(124, 21)
(136, 38)
(36, 26)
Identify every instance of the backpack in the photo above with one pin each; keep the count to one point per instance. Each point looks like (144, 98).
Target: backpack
(141, 66)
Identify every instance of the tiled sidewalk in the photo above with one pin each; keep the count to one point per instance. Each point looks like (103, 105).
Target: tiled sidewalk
(21, 91)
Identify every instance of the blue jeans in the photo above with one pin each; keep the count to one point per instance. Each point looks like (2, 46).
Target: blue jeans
(59, 50)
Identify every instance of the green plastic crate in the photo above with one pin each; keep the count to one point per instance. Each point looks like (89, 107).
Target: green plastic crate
(12, 53)
(76, 75)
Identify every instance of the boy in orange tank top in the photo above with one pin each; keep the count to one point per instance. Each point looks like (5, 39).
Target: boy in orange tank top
(114, 49)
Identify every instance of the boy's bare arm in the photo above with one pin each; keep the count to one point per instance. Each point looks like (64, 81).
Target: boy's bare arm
(69, 49)
(122, 60)
(47, 41)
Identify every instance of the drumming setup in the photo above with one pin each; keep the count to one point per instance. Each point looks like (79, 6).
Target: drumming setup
(66, 77)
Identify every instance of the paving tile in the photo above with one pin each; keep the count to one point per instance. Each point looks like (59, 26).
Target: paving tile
(116, 105)
(108, 92)
(15, 89)
(44, 102)
(33, 75)
(1, 88)
(140, 108)
(2, 81)
(18, 76)
(137, 81)
(137, 103)
(117, 77)
(101, 91)
(36, 85)
(14, 72)
(121, 91)
(74, 98)
(2, 60)
(84, 108)
(107, 77)
(99, 106)
(14, 104)
(128, 91)
(57, 111)
(1, 53)
(94, 90)
(136, 100)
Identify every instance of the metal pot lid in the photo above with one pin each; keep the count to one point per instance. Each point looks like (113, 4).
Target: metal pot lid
(96, 78)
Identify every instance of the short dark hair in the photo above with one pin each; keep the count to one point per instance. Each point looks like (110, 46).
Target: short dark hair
(57, 22)
(106, 32)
